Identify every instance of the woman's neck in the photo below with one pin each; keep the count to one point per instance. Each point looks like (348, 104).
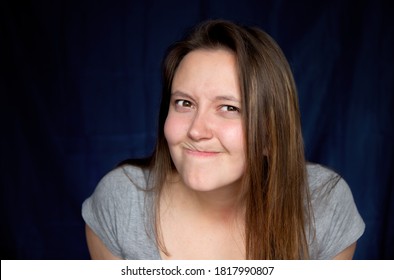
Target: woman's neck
(223, 204)
(201, 225)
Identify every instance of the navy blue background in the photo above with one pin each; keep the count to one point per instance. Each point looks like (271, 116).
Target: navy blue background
(80, 90)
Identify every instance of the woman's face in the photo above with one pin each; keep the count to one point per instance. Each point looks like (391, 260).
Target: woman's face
(204, 126)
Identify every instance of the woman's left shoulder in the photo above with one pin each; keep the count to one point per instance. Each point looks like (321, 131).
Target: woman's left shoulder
(324, 183)
(338, 223)
(320, 177)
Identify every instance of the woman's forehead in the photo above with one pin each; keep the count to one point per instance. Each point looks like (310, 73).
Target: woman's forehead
(207, 70)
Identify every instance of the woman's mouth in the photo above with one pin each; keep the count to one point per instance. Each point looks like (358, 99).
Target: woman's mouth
(199, 153)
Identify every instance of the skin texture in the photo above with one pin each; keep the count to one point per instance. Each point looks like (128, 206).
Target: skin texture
(204, 132)
(346, 254)
(203, 127)
(97, 249)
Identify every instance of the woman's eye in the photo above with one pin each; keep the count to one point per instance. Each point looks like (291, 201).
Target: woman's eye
(183, 103)
(229, 108)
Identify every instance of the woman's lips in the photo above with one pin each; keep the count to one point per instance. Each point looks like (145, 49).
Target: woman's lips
(201, 153)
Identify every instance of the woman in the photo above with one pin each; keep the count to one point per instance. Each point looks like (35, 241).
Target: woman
(228, 178)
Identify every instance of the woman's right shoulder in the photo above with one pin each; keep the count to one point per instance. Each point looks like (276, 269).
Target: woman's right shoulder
(116, 207)
(123, 180)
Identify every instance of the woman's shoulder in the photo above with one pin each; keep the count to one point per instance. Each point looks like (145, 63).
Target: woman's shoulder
(324, 183)
(320, 176)
(126, 174)
(336, 219)
(116, 211)
(123, 183)
(327, 188)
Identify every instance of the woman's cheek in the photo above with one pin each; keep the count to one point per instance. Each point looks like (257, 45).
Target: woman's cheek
(173, 128)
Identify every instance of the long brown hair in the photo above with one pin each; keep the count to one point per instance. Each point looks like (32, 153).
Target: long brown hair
(277, 200)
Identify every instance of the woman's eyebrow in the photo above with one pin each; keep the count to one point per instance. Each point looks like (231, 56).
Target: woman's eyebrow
(227, 98)
(216, 98)
(181, 94)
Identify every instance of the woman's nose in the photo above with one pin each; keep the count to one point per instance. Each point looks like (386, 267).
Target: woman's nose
(200, 127)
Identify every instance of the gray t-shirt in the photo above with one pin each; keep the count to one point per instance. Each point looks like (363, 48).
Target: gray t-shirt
(119, 212)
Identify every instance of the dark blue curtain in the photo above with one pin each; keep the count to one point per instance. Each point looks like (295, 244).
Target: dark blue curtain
(80, 90)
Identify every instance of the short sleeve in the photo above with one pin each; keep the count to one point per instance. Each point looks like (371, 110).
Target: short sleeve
(101, 211)
(337, 220)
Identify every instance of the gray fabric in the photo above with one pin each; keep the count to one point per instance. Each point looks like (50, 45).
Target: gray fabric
(118, 211)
